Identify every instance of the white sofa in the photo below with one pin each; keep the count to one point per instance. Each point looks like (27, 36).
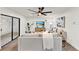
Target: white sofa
(39, 42)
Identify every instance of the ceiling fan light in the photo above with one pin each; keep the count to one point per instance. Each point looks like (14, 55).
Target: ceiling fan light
(39, 14)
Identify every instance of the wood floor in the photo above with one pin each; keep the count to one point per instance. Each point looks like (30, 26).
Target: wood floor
(68, 47)
(13, 46)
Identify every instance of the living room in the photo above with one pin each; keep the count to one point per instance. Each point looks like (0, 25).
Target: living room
(29, 21)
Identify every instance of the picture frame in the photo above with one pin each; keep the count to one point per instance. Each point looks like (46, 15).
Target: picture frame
(40, 26)
(61, 22)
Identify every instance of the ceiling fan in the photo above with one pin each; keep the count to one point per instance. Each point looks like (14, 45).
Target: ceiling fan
(40, 11)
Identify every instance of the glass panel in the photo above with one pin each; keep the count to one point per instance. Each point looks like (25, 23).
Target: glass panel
(6, 23)
(15, 28)
(0, 31)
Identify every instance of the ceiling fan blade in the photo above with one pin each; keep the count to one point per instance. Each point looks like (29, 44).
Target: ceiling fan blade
(41, 9)
(32, 10)
(48, 12)
(43, 14)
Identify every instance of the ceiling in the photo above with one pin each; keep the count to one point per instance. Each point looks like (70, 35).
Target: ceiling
(23, 10)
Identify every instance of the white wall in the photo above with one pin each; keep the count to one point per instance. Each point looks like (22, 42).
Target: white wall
(72, 26)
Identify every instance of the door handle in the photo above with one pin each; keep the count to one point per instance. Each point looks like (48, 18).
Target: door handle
(1, 29)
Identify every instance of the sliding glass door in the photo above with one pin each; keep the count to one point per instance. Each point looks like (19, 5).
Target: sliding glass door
(0, 35)
(10, 28)
(6, 23)
(16, 28)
